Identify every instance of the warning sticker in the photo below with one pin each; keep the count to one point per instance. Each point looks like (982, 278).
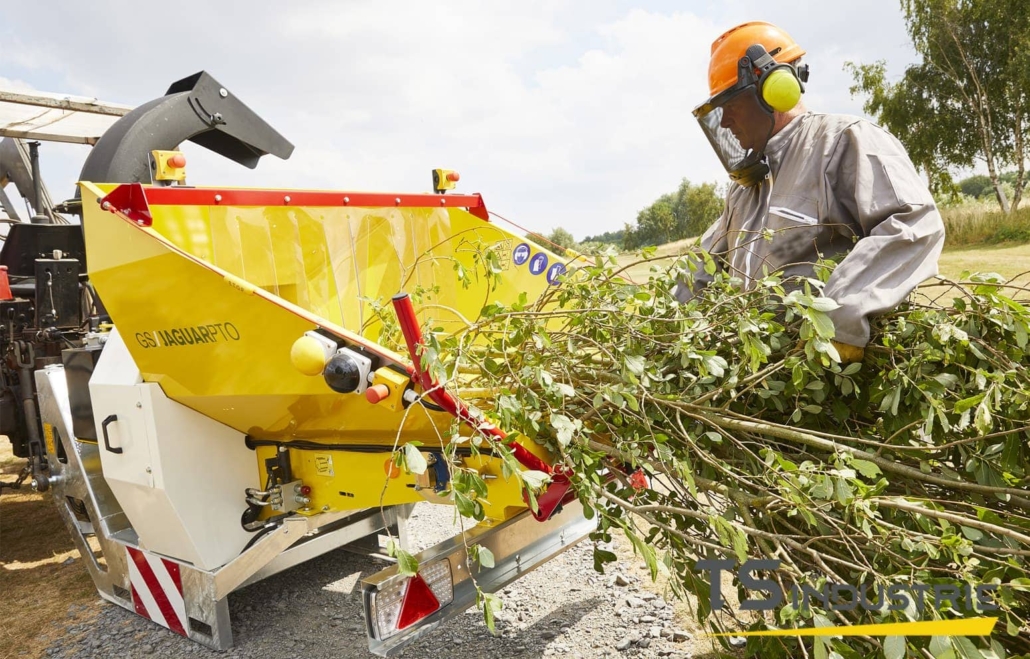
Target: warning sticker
(538, 263)
(324, 464)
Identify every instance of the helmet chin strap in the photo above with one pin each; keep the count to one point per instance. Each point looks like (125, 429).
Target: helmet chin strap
(755, 167)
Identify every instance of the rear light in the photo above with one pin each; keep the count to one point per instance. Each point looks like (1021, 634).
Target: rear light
(406, 601)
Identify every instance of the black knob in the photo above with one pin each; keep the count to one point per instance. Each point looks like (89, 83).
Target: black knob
(342, 374)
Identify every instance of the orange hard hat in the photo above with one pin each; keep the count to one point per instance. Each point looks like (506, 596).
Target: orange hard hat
(731, 46)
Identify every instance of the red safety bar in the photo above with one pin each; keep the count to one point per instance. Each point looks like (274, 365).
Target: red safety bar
(556, 492)
(134, 196)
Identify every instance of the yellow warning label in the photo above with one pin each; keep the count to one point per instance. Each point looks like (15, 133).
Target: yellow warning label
(48, 436)
(324, 464)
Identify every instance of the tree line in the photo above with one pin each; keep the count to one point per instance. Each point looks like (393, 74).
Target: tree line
(683, 213)
(966, 102)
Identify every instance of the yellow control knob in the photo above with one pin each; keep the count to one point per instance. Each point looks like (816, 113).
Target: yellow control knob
(308, 355)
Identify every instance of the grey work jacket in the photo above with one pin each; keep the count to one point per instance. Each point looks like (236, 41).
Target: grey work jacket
(833, 179)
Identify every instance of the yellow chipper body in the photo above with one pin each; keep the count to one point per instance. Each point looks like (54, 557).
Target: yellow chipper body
(252, 393)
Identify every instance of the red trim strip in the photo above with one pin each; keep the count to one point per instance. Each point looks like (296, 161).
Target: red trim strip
(173, 571)
(137, 604)
(182, 196)
(154, 586)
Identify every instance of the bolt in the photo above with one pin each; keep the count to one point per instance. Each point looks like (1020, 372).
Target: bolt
(139, 405)
(106, 205)
(218, 198)
(217, 117)
(443, 202)
(346, 200)
(148, 470)
(325, 508)
(397, 201)
(222, 92)
(286, 530)
(286, 199)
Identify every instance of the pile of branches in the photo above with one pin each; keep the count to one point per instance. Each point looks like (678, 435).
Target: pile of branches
(727, 429)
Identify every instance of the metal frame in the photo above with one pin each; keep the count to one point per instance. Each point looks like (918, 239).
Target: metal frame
(519, 545)
(205, 592)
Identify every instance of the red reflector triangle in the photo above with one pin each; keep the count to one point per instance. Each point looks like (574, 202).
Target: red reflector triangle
(419, 601)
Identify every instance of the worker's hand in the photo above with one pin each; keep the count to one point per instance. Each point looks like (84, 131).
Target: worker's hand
(849, 354)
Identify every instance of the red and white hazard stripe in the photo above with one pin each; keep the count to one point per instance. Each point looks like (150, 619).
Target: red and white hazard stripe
(157, 590)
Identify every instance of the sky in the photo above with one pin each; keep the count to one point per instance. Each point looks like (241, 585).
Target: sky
(560, 113)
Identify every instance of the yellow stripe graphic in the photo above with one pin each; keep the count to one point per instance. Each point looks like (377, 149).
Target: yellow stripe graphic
(964, 627)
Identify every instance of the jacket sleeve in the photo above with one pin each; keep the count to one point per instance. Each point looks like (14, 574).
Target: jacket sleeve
(870, 182)
(714, 242)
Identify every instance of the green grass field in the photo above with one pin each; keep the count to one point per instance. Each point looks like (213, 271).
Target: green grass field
(979, 239)
(1007, 260)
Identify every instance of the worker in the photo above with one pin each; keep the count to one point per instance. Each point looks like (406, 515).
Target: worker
(824, 186)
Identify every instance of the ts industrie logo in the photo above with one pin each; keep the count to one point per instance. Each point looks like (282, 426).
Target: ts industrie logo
(845, 597)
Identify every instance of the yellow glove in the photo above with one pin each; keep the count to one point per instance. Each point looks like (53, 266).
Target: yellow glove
(849, 354)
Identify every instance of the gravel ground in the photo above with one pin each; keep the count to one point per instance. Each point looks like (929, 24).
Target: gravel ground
(313, 610)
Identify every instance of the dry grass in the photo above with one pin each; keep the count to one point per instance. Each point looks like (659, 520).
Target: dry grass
(44, 584)
(983, 224)
(1008, 260)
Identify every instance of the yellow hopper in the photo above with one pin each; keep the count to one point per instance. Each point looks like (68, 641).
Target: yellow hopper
(211, 290)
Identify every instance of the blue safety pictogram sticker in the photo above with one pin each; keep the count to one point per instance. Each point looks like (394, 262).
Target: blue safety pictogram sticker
(538, 264)
(520, 254)
(555, 271)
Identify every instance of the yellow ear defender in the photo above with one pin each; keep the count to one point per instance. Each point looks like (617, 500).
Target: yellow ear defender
(779, 85)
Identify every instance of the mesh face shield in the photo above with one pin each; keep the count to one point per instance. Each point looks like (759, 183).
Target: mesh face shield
(738, 127)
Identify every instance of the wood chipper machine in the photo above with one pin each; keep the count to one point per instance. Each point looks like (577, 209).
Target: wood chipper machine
(214, 402)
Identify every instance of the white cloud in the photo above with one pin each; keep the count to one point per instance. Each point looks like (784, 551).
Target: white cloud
(566, 114)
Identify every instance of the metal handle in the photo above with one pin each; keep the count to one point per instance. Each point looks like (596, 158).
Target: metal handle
(107, 440)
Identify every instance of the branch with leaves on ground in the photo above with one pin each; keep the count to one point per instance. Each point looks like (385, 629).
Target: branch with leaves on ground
(756, 443)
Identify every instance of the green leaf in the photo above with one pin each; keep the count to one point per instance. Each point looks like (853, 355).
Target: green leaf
(564, 428)
(968, 403)
(966, 648)
(635, 364)
(491, 605)
(822, 324)
(406, 564)
(601, 557)
(466, 506)
(710, 266)
(866, 468)
(645, 550)
(983, 420)
(414, 461)
(972, 534)
(894, 647)
(739, 544)
(564, 389)
(819, 648)
(824, 304)
(851, 369)
(940, 645)
(535, 480)
(486, 557)
(715, 365)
